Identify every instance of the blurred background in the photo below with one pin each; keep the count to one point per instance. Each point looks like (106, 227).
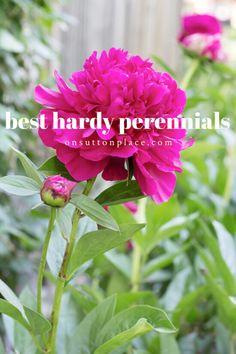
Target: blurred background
(38, 36)
(142, 27)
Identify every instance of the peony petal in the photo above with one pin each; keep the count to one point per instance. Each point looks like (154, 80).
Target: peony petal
(78, 167)
(50, 98)
(115, 170)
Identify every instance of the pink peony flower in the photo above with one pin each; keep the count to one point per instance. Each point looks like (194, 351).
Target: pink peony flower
(202, 35)
(118, 85)
(56, 191)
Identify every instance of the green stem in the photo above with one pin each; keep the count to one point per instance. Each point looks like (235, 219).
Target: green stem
(62, 276)
(232, 345)
(43, 258)
(137, 261)
(189, 74)
(136, 268)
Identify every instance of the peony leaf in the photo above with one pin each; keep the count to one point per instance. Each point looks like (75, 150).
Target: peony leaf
(38, 323)
(163, 261)
(225, 305)
(226, 246)
(220, 266)
(120, 193)
(95, 243)
(9, 295)
(188, 303)
(63, 218)
(138, 329)
(19, 185)
(86, 333)
(53, 166)
(10, 310)
(168, 344)
(129, 299)
(131, 323)
(94, 211)
(174, 226)
(29, 167)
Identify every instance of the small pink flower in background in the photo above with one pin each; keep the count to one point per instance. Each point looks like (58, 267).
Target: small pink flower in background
(129, 246)
(56, 191)
(131, 206)
(202, 34)
(118, 85)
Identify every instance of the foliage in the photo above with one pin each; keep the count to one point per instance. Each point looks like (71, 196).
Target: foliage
(25, 53)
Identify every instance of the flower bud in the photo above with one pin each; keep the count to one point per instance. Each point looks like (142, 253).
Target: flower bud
(56, 191)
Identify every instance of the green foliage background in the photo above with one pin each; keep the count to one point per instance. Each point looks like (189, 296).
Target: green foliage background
(25, 54)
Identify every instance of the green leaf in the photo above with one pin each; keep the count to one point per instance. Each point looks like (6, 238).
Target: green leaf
(138, 329)
(187, 303)
(95, 243)
(176, 289)
(121, 261)
(23, 342)
(83, 341)
(131, 323)
(226, 306)
(38, 323)
(174, 226)
(120, 193)
(209, 262)
(19, 185)
(159, 214)
(94, 211)
(167, 230)
(63, 218)
(121, 214)
(163, 261)
(168, 344)
(9, 295)
(8, 309)
(29, 167)
(220, 265)
(56, 250)
(85, 303)
(162, 64)
(227, 246)
(54, 167)
(128, 299)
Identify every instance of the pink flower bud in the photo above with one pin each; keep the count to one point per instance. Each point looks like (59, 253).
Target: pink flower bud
(56, 191)
(202, 35)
